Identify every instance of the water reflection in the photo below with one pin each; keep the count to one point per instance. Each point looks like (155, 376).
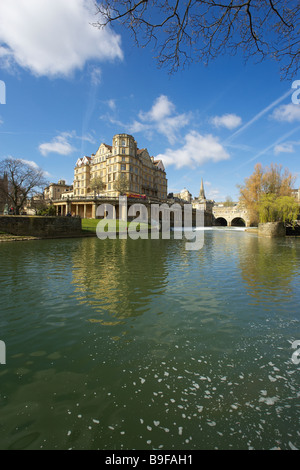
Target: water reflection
(206, 362)
(119, 278)
(268, 267)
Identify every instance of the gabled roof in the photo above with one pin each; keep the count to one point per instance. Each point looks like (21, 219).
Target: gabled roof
(159, 164)
(83, 161)
(108, 146)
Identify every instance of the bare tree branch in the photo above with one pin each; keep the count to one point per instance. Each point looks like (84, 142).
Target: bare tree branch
(183, 31)
(23, 180)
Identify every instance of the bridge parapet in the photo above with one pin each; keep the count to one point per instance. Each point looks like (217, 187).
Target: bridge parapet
(232, 215)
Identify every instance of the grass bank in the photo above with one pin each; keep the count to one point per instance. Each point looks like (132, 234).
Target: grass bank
(90, 225)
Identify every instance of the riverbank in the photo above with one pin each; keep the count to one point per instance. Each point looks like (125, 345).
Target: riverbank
(6, 237)
(88, 229)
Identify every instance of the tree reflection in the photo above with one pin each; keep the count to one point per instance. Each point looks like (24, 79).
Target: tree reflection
(268, 267)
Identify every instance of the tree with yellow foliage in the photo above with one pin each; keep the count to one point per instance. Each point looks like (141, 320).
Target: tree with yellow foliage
(267, 195)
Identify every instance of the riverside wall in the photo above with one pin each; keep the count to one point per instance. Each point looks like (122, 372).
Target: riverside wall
(41, 227)
(272, 229)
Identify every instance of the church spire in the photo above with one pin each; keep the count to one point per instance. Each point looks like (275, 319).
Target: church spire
(202, 193)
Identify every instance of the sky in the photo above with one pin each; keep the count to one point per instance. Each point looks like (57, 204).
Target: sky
(69, 86)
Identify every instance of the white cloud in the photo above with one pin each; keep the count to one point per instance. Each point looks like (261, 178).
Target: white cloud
(229, 121)
(59, 144)
(284, 148)
(53, 37)
(197, 150)
(259, 115)
(161, 108)
(287, 113)
(87, 138)
(111, 104)
(138, 127)
(1, 121)
(161, 118)
(96, 75)
(30, 163)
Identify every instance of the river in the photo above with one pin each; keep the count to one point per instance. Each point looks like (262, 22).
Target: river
(141, 344)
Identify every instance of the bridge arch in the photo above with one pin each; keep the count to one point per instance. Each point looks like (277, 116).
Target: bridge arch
(221, 222)
(238, 222)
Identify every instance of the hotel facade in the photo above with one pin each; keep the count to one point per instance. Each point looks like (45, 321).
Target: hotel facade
(144, 177)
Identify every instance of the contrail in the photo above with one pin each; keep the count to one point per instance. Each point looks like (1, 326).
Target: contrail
(258, 116)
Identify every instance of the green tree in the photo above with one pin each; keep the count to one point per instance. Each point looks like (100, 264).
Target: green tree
(267, 195)
(49, 211)
(288, 209)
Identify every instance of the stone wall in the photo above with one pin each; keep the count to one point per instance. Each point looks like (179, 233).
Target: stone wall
(231, 213)
(272, 229)
(41, 227)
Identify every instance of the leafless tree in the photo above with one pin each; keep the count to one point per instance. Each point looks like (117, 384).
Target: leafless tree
(183, 31)
(23, 181)
(122, 185)
(97, 185)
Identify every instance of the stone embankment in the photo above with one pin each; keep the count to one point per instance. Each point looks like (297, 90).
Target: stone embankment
(41, 227)
(272, 229)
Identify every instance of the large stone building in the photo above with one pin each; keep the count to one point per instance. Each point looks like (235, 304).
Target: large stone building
(144, 175)
(55, 190)
(184, 195)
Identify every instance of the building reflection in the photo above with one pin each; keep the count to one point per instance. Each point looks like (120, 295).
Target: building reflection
(119, 279)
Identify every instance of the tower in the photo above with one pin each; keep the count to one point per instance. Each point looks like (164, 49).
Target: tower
(202, 192)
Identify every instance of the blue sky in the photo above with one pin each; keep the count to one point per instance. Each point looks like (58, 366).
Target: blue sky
(70, 87)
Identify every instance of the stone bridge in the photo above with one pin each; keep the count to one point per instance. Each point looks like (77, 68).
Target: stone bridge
(231, 217)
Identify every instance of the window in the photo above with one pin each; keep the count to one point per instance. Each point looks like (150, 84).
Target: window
(123, 143)
(123, 167)
(123, 159)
